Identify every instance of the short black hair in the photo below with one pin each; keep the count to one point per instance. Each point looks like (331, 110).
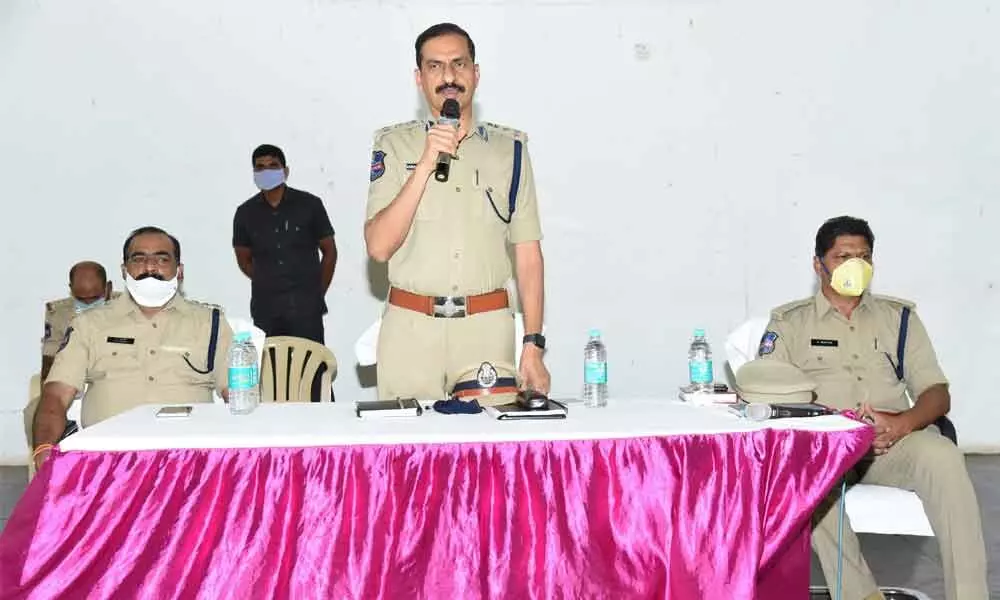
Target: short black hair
(833, 228)
(268, 150)
(443, 29)
(89, 264)
(150, 229)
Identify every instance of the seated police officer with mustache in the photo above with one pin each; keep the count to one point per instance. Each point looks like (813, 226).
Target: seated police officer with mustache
(151, 346)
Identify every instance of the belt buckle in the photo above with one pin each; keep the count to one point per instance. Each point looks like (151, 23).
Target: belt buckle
(448, 307)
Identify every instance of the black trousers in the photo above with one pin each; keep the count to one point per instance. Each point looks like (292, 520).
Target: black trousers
(308, 326)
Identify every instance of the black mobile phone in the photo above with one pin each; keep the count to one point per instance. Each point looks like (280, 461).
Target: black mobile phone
(532, 400)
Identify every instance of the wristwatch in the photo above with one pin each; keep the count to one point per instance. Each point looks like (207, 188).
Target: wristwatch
(534, 338)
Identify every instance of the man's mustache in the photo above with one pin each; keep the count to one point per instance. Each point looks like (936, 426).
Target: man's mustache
(147, 275)
(450, 86)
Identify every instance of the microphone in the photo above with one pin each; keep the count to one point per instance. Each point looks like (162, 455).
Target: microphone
(449, 116)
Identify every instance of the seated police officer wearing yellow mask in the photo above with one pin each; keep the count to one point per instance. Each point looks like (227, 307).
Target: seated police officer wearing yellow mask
(151, 346)
(870, 353)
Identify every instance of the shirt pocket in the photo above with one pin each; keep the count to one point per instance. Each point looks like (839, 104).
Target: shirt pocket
(823, 362)
(116, 362)
(492, 196)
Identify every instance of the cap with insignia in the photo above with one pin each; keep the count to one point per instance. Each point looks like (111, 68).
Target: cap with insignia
(774, 382)
(487, 382)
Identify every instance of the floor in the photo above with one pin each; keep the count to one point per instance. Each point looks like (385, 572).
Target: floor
(899, 561)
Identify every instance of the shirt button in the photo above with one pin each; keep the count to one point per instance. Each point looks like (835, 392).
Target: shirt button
(852, 327)
(860, 378)
(820, 358)
(114, 353)
(454, 288)
(152, 351)
(458, 255)
(154, 325)
(458, 188)
(151, 378)
(279, 245)
(855, 356)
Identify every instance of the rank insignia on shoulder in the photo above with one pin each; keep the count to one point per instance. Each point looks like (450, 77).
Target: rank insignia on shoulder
(378, 164)
(487, 375)
(767, 343)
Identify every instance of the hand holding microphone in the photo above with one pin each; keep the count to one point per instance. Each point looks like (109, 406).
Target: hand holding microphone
(443, 139)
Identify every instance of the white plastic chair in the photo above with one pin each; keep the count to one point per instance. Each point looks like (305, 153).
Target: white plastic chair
(870, 508)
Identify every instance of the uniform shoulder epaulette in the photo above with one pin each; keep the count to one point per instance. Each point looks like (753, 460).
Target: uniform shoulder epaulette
(404, 126)
(201, 304)
(890, 299)
(54, 305)
(508, 131)
(784, 309)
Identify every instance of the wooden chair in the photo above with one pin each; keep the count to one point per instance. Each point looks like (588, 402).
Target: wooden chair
(288, 367)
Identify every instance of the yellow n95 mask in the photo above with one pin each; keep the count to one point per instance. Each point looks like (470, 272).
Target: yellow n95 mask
(852, 277)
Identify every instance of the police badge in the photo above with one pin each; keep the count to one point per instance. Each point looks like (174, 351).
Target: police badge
(487, 375)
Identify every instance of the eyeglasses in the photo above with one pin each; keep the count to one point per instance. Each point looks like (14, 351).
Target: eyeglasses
(159, 259)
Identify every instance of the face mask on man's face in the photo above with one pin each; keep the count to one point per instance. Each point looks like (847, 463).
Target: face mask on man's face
(80, 306)
(268, 179)
(851, 277)
(151, 291)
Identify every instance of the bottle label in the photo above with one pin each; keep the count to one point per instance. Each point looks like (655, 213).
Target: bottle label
(700, 371)
(595, 371)
(243, 378)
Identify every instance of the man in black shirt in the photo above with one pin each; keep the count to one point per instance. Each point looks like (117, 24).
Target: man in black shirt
(284, 243)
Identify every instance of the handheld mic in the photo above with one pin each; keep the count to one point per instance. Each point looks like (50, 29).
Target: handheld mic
(449, 116)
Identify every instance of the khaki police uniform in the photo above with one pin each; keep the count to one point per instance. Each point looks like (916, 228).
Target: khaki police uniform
(853, 362)
(129, 360)
(457, 247)
(58, 314)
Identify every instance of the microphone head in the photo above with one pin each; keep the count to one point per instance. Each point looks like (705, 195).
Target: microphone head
(450, 109)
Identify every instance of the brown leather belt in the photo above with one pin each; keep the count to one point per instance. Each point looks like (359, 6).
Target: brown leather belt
(449, 306)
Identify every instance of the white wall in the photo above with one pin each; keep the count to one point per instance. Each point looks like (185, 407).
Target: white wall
(685, 153)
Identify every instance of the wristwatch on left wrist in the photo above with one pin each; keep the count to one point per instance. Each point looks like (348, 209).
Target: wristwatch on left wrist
(536, 339)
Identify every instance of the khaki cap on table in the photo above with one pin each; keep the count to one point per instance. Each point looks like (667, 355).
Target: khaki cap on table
(774, 382)
(491, 384)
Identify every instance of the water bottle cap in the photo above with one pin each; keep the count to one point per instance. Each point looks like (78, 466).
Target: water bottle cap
(241, 336)
(595, 333)
(699, 332)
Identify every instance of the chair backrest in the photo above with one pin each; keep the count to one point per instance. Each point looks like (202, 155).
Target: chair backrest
(289, 365)
(744, 341)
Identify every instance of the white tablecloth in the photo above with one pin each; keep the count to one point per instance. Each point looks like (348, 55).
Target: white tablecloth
(332, 424)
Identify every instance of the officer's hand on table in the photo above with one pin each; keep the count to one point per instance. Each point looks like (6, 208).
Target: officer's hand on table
(889, 427)
(533, 372)
(440, 138)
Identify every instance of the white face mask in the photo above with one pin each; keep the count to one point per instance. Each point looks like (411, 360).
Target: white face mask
(151, 292)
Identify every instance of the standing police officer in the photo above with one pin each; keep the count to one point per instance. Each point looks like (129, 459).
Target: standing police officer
(446, 242)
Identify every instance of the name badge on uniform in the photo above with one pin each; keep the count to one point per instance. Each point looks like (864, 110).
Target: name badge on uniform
(824, 343)
(120, 340)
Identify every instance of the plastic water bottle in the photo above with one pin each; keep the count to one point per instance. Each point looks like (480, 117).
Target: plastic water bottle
(700, 364)
(244, 376)
(595, 371)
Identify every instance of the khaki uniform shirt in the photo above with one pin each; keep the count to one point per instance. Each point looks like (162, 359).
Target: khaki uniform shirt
(853, 360)
(129, 360)
(458, 242)
(58, 314)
